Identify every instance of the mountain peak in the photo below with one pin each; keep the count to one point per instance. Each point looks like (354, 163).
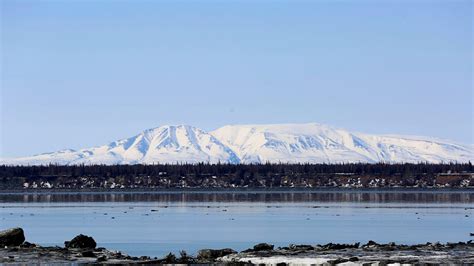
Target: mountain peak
(167, 127)
(309, 142)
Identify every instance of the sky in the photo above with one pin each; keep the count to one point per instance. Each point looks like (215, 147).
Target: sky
(76, 74)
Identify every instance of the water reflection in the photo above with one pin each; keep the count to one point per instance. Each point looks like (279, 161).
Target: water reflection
(420, 196)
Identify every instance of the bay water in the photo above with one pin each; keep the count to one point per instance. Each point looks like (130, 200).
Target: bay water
(154, 223)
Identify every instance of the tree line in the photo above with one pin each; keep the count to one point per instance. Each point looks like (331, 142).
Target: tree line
(225, 169)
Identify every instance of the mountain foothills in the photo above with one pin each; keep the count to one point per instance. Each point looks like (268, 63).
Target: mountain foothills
(285, 143)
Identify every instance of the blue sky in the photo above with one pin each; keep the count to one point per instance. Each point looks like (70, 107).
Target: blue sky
(82, 73)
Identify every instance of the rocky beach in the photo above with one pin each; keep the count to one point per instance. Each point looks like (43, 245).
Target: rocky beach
(83, 249)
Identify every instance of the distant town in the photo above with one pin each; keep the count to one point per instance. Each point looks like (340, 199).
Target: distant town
(229, 176)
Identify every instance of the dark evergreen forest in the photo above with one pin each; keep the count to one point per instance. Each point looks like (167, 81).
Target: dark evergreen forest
(237, 175)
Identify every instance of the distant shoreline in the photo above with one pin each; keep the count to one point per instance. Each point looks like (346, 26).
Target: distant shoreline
(237, 190)
(189, 177)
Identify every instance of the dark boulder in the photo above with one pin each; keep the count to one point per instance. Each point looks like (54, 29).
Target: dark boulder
(372, 243)
(12, 237)
(27, 244)
(212, 254)
(262, 247)
(81, 241)
(336, 246)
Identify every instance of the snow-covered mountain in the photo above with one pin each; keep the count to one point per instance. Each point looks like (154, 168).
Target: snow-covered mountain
(314, 143)
(320, 143)
(165, 144)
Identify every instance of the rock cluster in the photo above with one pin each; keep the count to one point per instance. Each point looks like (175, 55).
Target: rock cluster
(369, 253)
(82, 249)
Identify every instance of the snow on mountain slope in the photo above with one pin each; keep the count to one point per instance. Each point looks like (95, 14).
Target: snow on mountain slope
(166, 144)
(320, 143)
(314, 143)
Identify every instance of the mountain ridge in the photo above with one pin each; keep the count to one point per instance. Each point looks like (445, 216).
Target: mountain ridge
(253, 143)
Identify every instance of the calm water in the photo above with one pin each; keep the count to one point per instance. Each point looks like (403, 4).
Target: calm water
(155, 223)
